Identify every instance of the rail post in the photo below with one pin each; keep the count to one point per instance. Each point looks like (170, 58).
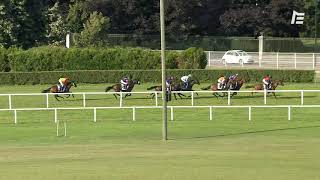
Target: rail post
(250, 113)
(289, 113)
(156, 96)
(302, 100)
(94, 114)
(265, 96)
(120, 99)
(229, 98)
(84, 99)
(133, 114)
(15, 117)
(192, 98)
(210, 113)
(10, 102)
(55, 115)
(171, 112)
(47, 100)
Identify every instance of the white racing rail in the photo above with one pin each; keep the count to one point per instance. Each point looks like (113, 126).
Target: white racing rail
(191, 93)
(210, 108)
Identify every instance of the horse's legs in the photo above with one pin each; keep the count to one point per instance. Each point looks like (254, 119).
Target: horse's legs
(115, 96)
(56, 96)
(274, 94)
(175, 97)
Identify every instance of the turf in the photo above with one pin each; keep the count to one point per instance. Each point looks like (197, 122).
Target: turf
(115, 147)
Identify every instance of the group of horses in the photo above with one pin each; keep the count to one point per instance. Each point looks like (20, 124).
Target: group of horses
(233, 85)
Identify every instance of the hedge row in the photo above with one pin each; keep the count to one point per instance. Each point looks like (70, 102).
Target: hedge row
(57, 58)
(153, 76)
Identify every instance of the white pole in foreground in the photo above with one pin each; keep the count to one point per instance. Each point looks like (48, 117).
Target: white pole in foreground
(163, 68)
(65, 128)
(57, 128)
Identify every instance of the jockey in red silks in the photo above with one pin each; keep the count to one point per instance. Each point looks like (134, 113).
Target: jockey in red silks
(267, 82)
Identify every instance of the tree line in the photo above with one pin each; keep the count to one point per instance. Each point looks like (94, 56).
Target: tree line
(29, 23)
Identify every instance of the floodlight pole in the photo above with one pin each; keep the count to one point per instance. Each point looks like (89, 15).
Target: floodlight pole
(163, 70)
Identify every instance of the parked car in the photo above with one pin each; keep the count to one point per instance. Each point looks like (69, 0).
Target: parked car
(237, 57)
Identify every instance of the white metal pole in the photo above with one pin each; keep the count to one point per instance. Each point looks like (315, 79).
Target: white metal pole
(192, 100)
(289, 113)
(302, 100)
(55, 115)
(295, 60)
(15, 117)
(249, 113)
(84, 99)
(163, 73)
(94, 114)
(156, 98)
(229, 101)
(209, 59)
(171, 113)
(277, 60)
(313, 61)
(47, 99)
(134, 114)
(210, 115)
(10, 103)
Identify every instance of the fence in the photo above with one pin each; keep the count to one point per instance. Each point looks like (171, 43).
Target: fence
(270, 60)
(210, 108)
(192, 97)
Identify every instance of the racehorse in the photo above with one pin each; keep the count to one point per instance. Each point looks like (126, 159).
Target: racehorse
(117, 87)
(56, 89)
(234, 85)
(176, 87)
(274, 85)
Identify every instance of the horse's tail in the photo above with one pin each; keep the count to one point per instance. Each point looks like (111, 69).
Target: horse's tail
(46, 90)
(249, 86)
(206, 88)
(109, 88)
(152, 87)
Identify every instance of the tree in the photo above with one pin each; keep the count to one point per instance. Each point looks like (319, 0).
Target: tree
(95, 30)
(56, 25)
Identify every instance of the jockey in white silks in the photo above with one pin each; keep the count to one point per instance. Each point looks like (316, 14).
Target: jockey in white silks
(186, 80)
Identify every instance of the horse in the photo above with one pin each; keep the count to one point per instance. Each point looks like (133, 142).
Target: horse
(176, 87)
(55, 89)
(117, 87)
(274, 85)
(233, 85)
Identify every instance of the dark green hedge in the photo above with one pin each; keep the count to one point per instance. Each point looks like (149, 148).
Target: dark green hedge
(149, 76)
(57, 58)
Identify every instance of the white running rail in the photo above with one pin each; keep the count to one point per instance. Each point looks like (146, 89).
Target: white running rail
(210, 108)
(157, 94)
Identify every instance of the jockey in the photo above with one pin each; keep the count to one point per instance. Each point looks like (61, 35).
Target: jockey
(63, 84)
(186, 80)
(168, 83)
(124, 83)
(267, 82)
(233, 79)
(221, 82)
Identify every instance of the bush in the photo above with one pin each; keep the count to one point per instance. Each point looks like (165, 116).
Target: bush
(57, 58)
(153, 76)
